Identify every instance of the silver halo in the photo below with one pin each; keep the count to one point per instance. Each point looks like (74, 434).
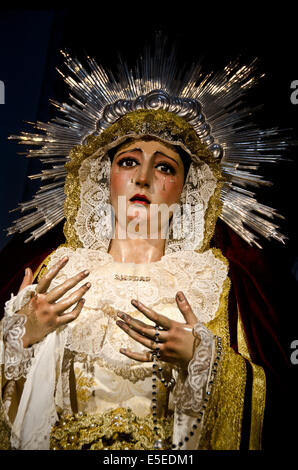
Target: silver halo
(96, 102)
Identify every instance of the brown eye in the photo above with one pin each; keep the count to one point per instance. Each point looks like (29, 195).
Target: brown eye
(166, 168)
(127, 162)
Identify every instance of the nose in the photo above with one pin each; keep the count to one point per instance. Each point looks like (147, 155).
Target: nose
(143, 176)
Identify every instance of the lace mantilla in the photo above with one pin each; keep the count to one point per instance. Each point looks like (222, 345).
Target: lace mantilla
(190, 391)
(17, 359)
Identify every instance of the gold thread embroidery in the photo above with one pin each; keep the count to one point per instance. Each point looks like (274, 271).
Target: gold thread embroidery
(83, 385)
(258, 399)
(223, 419)
(229, 387)
(116, 429)
(241, 339)
(258, 407)
(220, 323)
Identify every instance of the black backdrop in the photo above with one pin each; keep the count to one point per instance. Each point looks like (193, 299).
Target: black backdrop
(29, 48)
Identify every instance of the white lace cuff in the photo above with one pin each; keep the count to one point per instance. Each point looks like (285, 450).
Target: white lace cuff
(191, 389)
(17, 359)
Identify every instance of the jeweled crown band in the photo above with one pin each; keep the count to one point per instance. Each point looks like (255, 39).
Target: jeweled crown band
(187, 108)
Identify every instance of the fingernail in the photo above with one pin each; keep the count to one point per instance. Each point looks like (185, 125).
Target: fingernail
(121, 315)
(64, 259)
(134, 302)
(180, 296)
(87, 284)
(26, 272)
(86, 272)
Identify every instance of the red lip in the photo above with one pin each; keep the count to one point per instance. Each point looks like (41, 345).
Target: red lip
(140, 198)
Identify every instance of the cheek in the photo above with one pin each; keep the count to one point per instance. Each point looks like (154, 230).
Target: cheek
(119, 182)
(170, 189)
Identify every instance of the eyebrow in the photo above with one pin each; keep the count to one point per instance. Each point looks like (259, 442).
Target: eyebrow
(157, 151)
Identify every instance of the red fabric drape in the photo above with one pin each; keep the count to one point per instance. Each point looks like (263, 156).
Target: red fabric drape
(265, 291)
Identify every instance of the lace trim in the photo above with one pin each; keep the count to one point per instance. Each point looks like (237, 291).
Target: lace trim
(199, 275)
(17, 359)
(190, 391)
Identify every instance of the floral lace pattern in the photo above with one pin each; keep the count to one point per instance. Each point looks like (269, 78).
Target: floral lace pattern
(189, 392)
(199, 186)
(199, 275)
(17, 359)
(93, 222)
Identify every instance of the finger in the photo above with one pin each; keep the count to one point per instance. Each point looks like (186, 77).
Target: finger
(141, 357)
(142, 328)
(46, 280)
(64, 304)
(71, 316)
(27, 279)
(149, 343)
(161, 320)
(60, 290)
(185, 308)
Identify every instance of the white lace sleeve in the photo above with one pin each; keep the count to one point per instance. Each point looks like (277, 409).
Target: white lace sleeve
(17, 359)
(191, 388)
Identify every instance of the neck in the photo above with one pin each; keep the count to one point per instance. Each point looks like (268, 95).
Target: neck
(137, 251)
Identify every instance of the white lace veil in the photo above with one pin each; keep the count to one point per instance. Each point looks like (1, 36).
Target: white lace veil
(93, 223)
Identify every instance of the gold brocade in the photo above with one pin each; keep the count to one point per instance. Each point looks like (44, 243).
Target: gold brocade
(83, 386)
(257, 407)
(220, 323)
(118, 429)
(258, 392)
(223, 422)
(241, 340)
(223, 418)
(162, 124)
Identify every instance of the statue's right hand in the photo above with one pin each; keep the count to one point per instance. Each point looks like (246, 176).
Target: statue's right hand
(43, 313)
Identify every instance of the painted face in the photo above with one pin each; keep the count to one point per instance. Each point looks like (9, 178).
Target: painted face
(145, 176)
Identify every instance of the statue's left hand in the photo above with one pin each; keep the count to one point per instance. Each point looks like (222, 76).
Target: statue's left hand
(176, 341)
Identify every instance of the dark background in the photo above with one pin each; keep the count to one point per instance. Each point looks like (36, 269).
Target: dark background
(30, 41)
